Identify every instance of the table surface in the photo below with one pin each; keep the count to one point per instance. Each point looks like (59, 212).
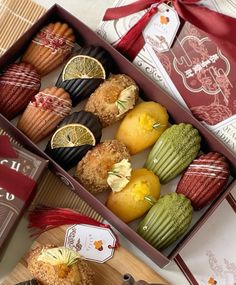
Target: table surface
(91, 13)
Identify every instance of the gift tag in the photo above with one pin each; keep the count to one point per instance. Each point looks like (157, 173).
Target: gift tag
(91, 242)
(162, 28)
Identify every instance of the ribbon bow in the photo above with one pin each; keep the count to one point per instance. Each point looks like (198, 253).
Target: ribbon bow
(220, 28)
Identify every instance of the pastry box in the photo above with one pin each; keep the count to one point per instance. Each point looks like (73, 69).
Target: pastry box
(20, 170)
(149, 91)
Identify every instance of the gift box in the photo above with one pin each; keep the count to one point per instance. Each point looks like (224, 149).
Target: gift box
(182, 60)
(19, 172)
(150, 91)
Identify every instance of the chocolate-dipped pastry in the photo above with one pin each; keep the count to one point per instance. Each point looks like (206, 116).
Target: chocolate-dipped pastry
(75, 135)
(204, 179)
(78, 78)
(175, 149)
(18, 84)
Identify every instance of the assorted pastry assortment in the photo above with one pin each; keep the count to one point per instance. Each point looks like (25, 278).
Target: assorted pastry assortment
(106, 166)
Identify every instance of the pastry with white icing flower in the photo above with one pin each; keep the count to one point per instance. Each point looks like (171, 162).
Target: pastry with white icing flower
(94, 168)
(113, 99)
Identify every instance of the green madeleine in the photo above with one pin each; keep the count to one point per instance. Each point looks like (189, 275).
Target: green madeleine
(167, 220)
(176, 148)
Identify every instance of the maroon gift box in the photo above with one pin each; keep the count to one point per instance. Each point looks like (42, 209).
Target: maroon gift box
(152, 92)
(19, 190)
(202, 74)
(192, 68)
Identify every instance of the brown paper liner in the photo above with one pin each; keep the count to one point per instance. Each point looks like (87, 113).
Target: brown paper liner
(52, 192)
(14, 13)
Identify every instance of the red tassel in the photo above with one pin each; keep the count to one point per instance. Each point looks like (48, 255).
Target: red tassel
(45, 218)
(129, 39)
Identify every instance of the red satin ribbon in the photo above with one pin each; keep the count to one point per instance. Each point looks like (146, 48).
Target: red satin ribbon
(12, 181)
(46, 218)
(220, 28)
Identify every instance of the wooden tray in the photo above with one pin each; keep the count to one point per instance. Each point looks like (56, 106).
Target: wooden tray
(109, 273)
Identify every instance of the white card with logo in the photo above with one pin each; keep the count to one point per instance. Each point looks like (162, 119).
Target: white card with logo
(162, 28)
(91, 242)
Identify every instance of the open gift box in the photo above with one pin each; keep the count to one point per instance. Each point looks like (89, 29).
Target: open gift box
(149, 91)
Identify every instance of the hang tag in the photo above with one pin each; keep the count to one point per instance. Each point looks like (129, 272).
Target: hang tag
(162, 28)
(91, 242)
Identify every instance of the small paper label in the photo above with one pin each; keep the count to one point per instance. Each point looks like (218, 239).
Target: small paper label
(91, 242)
(162, 28)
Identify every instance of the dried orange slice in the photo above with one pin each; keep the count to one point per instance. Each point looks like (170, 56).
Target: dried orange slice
(72, 135)
(83, 67)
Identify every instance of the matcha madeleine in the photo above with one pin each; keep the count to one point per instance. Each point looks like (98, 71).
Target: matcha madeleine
(175, 149)
(167, 220)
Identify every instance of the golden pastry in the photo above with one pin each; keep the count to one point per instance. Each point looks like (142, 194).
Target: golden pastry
(113, 99)
(92, 170)
(52, 265)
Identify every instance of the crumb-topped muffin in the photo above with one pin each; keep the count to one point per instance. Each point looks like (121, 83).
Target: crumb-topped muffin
(92, 170)
(113, 99)
(52, 265)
